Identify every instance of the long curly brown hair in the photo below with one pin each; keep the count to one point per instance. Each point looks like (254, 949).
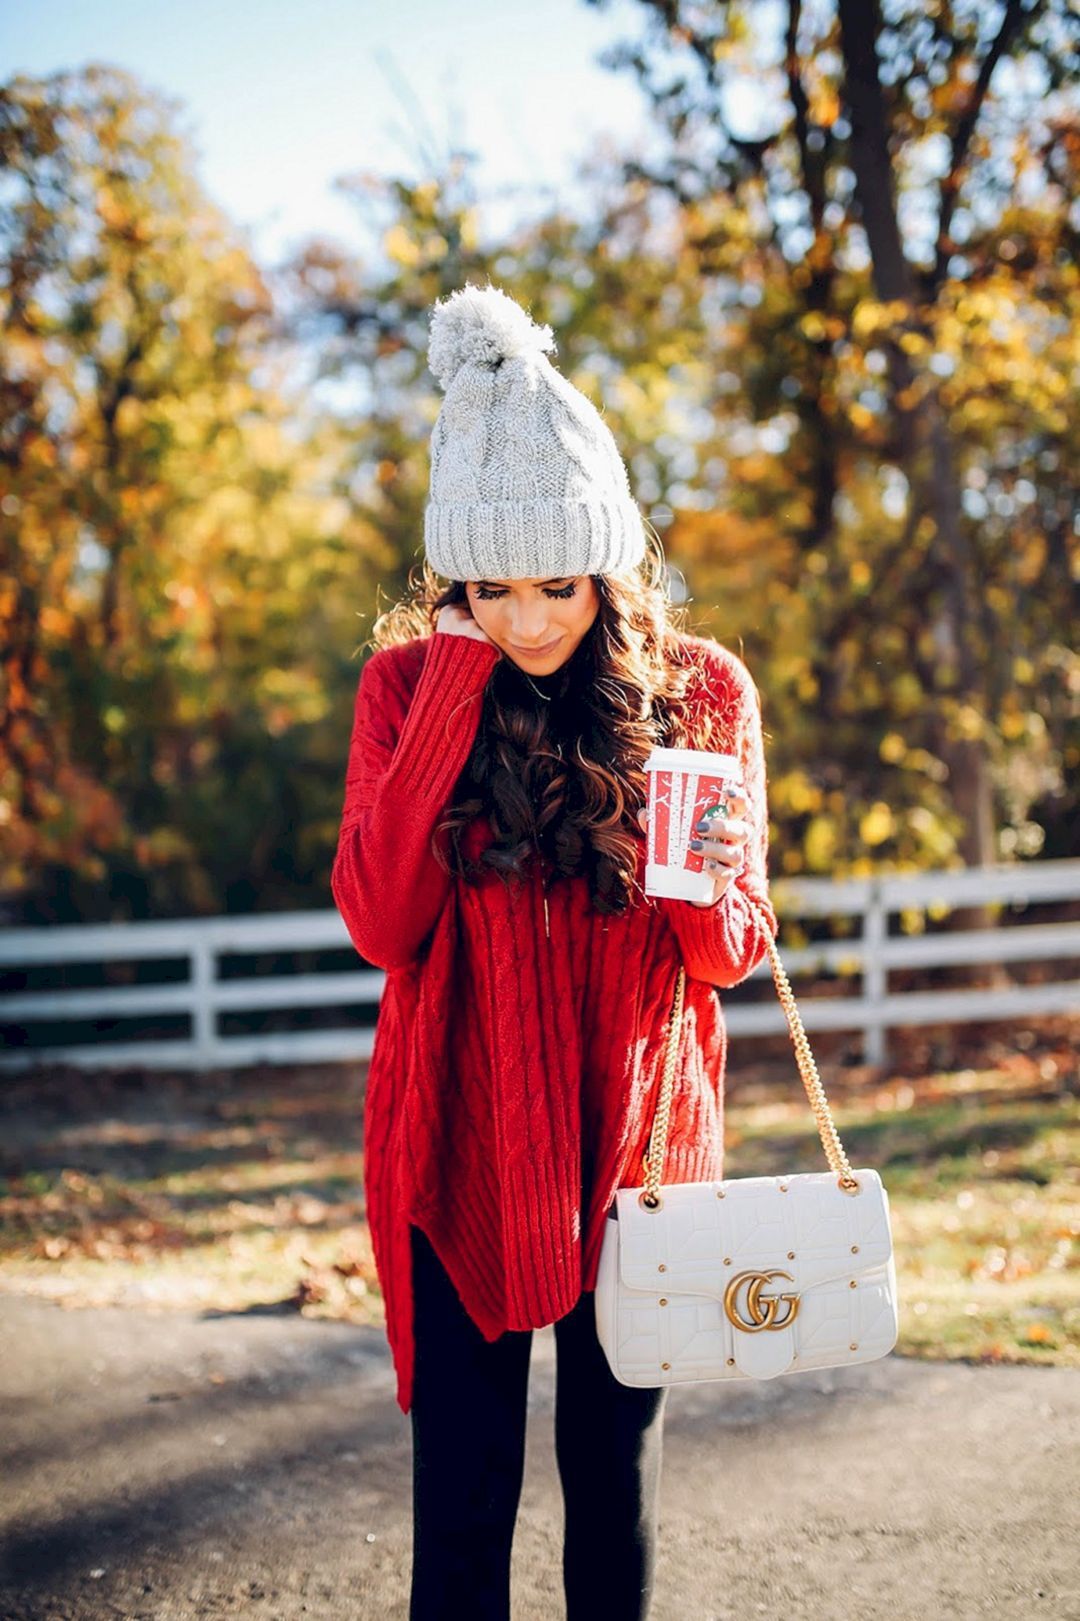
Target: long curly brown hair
(566, 775)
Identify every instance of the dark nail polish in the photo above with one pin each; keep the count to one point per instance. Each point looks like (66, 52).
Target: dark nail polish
(696, 844)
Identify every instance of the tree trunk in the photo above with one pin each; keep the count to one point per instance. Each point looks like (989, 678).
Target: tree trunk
(923, 436)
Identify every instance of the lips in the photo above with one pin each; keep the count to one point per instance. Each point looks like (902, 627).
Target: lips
(534, 652)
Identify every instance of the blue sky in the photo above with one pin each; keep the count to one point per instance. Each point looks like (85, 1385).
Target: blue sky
(280, 97)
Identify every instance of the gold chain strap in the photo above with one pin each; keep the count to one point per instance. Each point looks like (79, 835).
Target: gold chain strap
(653, 1161)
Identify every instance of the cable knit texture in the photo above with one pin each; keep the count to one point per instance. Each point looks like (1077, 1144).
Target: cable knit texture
(526, 479)
(514, 1074)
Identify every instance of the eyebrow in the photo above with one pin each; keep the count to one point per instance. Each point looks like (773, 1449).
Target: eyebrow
(553, 581)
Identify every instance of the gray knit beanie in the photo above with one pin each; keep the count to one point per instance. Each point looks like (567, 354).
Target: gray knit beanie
(526, 478)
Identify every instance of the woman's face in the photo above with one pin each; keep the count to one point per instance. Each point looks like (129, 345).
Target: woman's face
(522, 616)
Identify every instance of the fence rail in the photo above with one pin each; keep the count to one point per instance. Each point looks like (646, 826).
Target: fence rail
(201, 997)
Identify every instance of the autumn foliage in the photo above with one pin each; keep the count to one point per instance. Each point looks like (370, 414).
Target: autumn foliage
(839, 353)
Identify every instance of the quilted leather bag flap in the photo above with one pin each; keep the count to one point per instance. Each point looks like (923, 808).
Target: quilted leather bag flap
(803, 1225)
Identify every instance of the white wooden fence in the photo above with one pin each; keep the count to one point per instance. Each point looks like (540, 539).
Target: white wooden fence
(33, 1020)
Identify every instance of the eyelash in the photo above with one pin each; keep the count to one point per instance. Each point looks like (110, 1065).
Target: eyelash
(563, 592)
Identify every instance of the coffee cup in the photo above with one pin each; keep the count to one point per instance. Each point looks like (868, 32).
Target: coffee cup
(686, 786)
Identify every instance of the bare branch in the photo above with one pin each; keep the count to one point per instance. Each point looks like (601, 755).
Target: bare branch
(965, 129)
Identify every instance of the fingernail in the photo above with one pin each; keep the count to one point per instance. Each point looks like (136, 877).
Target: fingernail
(697, 844)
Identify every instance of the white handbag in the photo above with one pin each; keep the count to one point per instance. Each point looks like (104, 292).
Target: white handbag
(749, 1277)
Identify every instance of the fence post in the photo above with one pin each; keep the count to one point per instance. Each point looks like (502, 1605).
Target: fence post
(203, 1022)
(875, 974)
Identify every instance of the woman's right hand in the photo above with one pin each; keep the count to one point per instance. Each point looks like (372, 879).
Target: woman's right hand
(454, 620)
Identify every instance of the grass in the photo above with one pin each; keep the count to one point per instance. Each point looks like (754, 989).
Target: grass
(243, 1191)
(981, 1169)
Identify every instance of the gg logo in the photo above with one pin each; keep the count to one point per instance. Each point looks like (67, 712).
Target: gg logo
(758, 1320)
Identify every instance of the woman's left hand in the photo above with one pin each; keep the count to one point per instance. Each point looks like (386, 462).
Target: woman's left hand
(723, 852)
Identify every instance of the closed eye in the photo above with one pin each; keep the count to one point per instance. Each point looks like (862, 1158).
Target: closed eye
(562, 591)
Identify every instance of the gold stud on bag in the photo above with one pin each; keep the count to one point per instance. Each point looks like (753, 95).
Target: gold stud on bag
(749, 1277)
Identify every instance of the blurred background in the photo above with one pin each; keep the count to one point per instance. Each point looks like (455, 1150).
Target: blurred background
(818, 264)
(841, 364)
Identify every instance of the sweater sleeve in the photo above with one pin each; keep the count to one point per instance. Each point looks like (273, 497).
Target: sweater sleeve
(405, 755)
(723, 943)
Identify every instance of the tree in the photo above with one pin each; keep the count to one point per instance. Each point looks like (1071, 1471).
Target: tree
(176, 570)
(892, 261)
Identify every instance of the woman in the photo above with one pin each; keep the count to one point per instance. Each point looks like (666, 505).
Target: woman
(491, 860)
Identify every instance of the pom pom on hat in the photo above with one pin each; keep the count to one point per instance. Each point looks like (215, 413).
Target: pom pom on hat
(481, 325)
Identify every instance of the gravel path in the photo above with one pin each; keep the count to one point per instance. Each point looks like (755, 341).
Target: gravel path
(173, 1466)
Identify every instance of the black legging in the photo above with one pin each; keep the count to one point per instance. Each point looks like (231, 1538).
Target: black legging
(468, 1420)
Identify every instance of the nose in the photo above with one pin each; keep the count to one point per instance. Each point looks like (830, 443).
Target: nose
(531, 632)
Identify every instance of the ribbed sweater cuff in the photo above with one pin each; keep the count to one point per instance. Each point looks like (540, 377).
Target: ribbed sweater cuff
(454, 674)
(718, 932)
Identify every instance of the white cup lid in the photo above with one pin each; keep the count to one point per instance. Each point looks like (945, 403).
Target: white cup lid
(700, 760)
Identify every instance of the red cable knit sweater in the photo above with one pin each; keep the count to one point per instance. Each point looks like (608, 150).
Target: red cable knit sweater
(515, 1071)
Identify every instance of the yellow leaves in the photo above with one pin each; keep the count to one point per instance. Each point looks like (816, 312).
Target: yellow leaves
(912, 920)
(56, 622)
(291, 698)
(894, 750)
(757, 468)
(1015, 722)
(877, 824)
(795, 792)
(668, 354)
(966, 722)
(952, 97)
(927, 764)
(129, 416)
(819, 259)
(860, 416)
(934, 843)
(111, 211)
(862, 867)
(872, 317)
(813, 325)
(38, 451)
(1032, 548)
(426, 197)
(821, 844)
(860, 574)
(399, 247)
(992, 303)
(402, 249)
(730, 45)
(907, 399)
(824, 106)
